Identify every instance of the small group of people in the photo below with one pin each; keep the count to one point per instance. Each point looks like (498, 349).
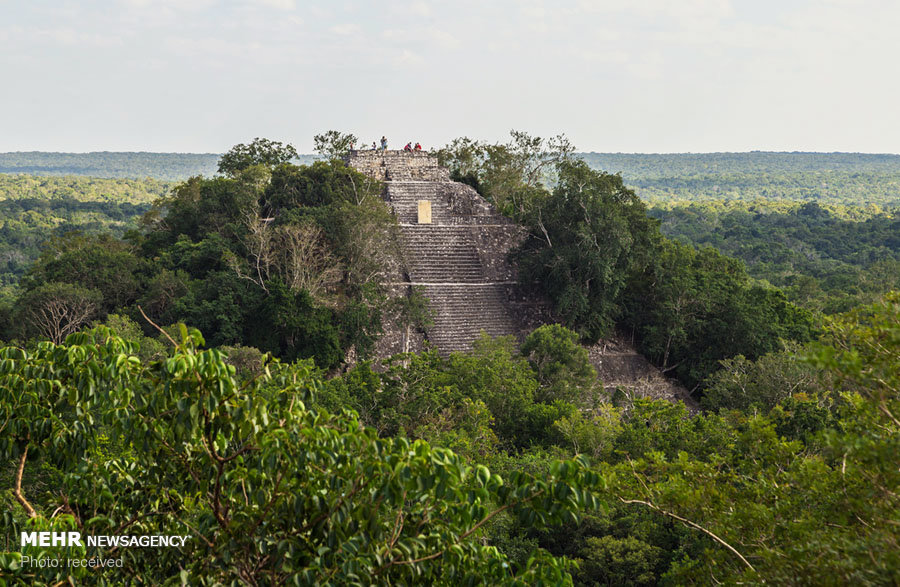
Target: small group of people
(384, 145)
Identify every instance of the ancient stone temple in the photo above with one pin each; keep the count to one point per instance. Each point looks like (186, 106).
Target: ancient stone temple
(455, 246)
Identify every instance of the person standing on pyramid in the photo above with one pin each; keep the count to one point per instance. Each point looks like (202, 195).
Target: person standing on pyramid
(383, 144)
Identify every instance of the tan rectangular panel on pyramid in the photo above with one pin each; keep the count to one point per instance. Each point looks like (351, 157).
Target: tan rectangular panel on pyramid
(424, 211)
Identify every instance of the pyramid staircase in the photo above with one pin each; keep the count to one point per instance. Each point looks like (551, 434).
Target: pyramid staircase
(458, 260)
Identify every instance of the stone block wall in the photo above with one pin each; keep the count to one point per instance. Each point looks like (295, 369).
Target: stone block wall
(398, 165)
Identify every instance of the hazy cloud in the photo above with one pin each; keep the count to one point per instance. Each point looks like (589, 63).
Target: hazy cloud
(280, 4)
(654, 75)
(420, 8)
(345, 29)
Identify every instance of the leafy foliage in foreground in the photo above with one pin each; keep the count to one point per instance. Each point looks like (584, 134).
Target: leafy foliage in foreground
(736, 494)
(790, 466)
(269, 490)
(271, 486)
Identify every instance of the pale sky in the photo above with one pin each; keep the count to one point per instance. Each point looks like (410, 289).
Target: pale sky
(622, 75)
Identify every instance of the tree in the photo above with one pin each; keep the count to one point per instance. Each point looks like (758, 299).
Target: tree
(98, 262)
(495, 373)
(55, 310)
(411, 310)
(507, 174)
(620, 561)
(742, 384)
(586, 239)
(198, 208)
(289, 324)
(862, 350)
(147, 348)
(591, 432)
(368, 240)
(334, 144)
(324, 183)
(692, 309)
(296, 254)
(259, 152)
(563, 366)
(305, 262)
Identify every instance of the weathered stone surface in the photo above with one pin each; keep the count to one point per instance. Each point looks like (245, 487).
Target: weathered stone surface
(398, 165)
(620, 366)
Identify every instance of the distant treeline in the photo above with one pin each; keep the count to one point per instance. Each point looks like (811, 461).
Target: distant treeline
(659, 165)
(165, 166)
(832, 178)
(825, 187)
(82, 189)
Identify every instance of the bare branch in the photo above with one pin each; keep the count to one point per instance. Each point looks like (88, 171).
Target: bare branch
(17, 491)
(692, 525)
(155, 325)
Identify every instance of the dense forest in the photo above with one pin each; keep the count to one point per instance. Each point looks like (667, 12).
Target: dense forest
(164, 166)
(828, 178)
(189, 375)
(819, 257)
(35, 209)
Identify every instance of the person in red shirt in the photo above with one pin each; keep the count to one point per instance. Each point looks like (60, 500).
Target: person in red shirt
(418, 147)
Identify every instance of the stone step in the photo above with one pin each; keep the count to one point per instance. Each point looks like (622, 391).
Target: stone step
(451, 203)
(459, 259)
(462, 312)
(441, 254)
